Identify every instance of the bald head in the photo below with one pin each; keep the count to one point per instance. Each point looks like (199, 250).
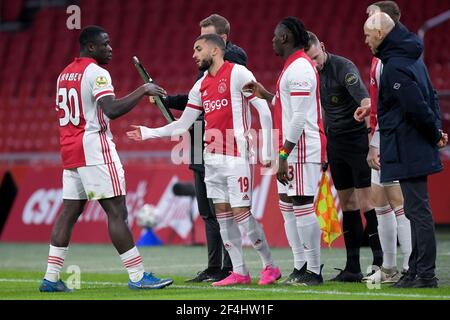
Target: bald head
(380, 21)
(376, 28)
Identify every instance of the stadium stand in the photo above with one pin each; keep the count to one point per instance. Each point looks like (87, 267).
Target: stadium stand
(161, 33)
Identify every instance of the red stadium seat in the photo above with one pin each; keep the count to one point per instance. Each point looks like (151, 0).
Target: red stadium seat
(161, 34)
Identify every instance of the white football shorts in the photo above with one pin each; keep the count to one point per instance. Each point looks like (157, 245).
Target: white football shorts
(376, 175)
(228, 179)
(304, 179)
(94, 182)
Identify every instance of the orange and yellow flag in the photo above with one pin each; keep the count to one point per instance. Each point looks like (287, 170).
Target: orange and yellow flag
(327, 213)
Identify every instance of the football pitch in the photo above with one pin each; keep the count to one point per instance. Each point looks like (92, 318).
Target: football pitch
(103, 277)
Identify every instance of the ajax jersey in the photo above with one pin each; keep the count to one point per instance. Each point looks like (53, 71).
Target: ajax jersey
(85, 136)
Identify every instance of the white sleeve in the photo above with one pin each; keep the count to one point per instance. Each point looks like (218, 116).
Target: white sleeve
(265, 117)
(175, 128)
(301, 81)
(190, 114)
(101, 82)
(194, 97)
(375, 141)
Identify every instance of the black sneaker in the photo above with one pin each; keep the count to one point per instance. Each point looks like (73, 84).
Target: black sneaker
(310, 278)
(347, 276)
(406, 281)
(204, 276)
(294, 276)
(425, 283)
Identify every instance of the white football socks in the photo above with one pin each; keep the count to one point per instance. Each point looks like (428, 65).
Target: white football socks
(55, 262)
(404, 235)
(309, 228)
(133, 263)
(256, 235)
(292, 234)
(387, 231)
(231, 237)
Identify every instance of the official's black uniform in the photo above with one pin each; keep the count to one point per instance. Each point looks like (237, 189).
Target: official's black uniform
(216, 249)
(341, 93)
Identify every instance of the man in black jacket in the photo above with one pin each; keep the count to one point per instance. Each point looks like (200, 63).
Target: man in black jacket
(215, 271)
(410, 136)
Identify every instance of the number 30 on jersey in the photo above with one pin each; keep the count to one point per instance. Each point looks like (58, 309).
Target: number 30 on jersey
(68, 102)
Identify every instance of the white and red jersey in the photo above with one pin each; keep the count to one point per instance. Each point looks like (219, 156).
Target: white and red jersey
(375, 74)
(85, 136)
(298, 86)
(227, 113)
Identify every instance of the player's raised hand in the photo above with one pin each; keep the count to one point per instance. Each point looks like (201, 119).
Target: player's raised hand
(254, 88)
(152, 89)
(361, 113)
(135, 134)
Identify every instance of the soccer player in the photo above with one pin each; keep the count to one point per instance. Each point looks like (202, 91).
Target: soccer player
(387, 196)
(228, 176)
(85, 103)
(341, 92)
(219, 265)
(297, 116)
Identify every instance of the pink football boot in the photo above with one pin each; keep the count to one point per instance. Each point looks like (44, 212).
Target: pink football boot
(233, 279)
(269, 275)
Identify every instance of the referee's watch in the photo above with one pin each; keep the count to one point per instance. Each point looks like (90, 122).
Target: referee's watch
(369, 130)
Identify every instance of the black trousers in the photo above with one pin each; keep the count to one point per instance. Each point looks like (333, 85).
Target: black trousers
(216, 250)
(422, 261)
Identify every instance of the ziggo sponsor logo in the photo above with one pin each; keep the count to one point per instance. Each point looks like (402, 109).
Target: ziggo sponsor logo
(214, 105)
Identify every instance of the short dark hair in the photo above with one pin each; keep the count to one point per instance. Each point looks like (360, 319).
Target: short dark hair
(213, 38)
(313, 40)
(89, 35)
(297, 28)
(220, 23)
(390, 8)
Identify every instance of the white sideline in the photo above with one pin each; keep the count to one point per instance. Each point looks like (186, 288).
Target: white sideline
(363, 294)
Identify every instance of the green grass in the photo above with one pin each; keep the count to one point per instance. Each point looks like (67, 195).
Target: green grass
(103, 277)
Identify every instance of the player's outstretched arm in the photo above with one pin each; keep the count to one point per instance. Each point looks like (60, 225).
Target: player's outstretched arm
(177, 127)
(114, 108)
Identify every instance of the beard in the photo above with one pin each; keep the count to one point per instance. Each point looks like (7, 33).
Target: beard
(205, 64)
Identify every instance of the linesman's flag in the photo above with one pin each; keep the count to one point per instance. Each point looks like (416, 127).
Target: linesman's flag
(326, 212)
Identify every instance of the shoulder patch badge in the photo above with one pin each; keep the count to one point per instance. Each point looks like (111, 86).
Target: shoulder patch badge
(351, 79)
(101, 81)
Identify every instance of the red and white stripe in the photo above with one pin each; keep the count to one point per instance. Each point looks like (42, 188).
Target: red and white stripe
(241, 217)
(107, 155)
(285, 208)
(133, 262)
(55, 260)
(304, 210)
(224, 215)
(103, 93)
(300, 94)
(383, 211)
(399, 212)
(193, 106)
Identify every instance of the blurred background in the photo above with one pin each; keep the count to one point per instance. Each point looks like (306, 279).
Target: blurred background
(35, 45)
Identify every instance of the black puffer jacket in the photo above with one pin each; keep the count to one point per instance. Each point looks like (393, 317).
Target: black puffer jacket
(408, 110)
